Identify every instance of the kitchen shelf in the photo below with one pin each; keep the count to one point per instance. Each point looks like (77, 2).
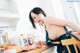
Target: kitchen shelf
(8, 14)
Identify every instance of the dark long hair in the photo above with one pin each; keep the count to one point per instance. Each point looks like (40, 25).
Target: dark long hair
(37, 11)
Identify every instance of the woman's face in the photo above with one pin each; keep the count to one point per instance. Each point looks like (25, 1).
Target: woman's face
(38, 18)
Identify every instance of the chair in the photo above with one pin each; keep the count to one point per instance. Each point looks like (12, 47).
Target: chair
(71, 41)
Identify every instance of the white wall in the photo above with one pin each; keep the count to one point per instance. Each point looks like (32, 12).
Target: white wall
(7, 17)
(58, 9)
(24, 6)
(47, 6)
(69, 11)
(77, 11)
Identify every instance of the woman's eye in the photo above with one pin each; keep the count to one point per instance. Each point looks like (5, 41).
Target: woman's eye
(34, 18)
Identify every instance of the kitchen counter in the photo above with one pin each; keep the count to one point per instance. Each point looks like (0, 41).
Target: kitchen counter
(37, 50)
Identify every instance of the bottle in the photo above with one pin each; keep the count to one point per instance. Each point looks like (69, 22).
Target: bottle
(21, 40)
(30, 39)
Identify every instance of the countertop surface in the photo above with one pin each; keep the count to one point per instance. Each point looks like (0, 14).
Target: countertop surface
(37, 50)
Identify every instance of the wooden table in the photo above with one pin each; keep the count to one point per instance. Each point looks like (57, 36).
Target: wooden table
(37, 50)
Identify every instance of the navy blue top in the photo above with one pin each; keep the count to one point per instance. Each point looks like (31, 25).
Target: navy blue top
(60, 48)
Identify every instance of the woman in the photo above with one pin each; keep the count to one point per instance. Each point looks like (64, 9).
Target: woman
(55, 28)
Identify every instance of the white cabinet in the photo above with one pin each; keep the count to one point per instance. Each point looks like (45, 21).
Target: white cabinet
(8, 13)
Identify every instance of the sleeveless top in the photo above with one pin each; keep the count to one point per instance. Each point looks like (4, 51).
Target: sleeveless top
(60, 48)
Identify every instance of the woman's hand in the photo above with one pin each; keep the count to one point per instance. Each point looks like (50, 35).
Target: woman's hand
(40, 44)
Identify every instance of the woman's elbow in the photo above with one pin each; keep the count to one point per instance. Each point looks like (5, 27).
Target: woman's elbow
(68, 23)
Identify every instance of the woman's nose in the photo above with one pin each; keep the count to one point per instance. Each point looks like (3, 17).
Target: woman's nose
(37, 18)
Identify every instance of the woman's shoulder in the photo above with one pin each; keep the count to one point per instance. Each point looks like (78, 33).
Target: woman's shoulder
(55, 21)
(50, 17)
(53, 18)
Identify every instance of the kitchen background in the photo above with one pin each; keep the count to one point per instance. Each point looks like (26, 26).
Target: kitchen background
(14, 17)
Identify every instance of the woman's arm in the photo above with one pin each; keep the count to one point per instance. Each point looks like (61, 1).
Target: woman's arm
(74, 27)
(60, 22)
(55, 21)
